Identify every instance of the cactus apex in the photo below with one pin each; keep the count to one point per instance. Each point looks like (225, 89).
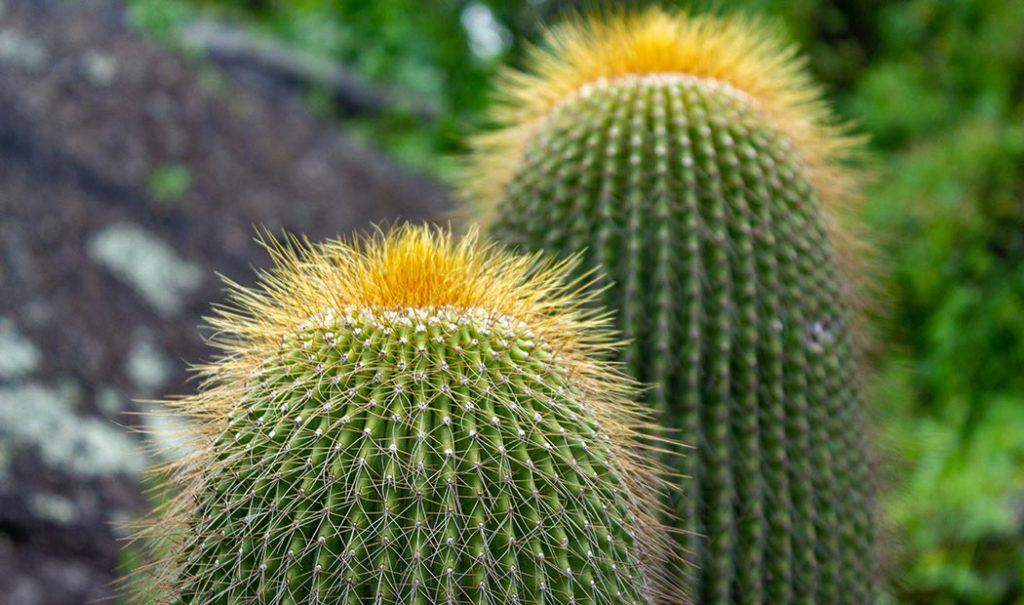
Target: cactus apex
(584, 54)
(370, 332)
(413, 267)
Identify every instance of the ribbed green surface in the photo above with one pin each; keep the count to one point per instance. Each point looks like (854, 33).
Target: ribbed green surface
(418, 457)
(724, 278)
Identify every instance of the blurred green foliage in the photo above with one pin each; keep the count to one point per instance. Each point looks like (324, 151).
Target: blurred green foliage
(169, 183)
(938, 86)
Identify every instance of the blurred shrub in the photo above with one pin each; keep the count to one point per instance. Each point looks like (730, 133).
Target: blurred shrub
(952, 395)
(943, 101)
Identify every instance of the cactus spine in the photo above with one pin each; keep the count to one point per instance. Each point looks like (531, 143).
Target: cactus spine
(410, 420)
(692, 161)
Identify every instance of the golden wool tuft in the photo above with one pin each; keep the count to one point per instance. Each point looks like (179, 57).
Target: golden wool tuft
(410, 267)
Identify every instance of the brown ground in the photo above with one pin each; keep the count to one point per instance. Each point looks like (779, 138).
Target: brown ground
(92, 118)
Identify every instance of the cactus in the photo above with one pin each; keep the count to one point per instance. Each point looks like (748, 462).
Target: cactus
(410, 420)
(691, 159)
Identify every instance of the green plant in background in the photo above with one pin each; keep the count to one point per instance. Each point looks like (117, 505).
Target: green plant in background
(952, 212)
(159, 19)
(692, 159)
(411, 420)
(169, 183)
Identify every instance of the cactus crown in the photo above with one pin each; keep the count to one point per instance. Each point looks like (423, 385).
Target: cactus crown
(406, 419)
(740, 54)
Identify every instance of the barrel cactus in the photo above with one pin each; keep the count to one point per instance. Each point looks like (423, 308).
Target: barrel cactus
(407, 419)
(693, 162)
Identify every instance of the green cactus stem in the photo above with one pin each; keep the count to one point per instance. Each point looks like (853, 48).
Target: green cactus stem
(687, 157)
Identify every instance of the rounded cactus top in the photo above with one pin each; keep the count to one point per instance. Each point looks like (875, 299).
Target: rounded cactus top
(584, 56)
(409, 268)
(410, 419)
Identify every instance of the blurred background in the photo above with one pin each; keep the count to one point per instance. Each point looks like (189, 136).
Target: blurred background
(141, 141)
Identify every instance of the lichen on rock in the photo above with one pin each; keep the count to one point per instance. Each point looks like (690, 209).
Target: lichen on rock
(139, 258)
(41, 417)
(19, 357)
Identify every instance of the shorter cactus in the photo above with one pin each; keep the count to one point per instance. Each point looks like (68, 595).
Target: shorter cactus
(409, 420)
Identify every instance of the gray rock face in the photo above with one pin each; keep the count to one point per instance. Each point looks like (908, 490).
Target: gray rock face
(126, 184)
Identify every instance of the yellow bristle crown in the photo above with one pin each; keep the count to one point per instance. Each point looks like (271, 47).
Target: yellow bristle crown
(410, 267)
(741, 53)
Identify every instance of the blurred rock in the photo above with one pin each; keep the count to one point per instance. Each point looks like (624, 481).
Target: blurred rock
(18, 356)
(147, 264)
(21, 52)
(99, 67)
(127, 181)
(148, 367)
(43, 421)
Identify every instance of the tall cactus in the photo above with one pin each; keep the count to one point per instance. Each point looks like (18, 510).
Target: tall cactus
(410, 420)
(691, 159)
